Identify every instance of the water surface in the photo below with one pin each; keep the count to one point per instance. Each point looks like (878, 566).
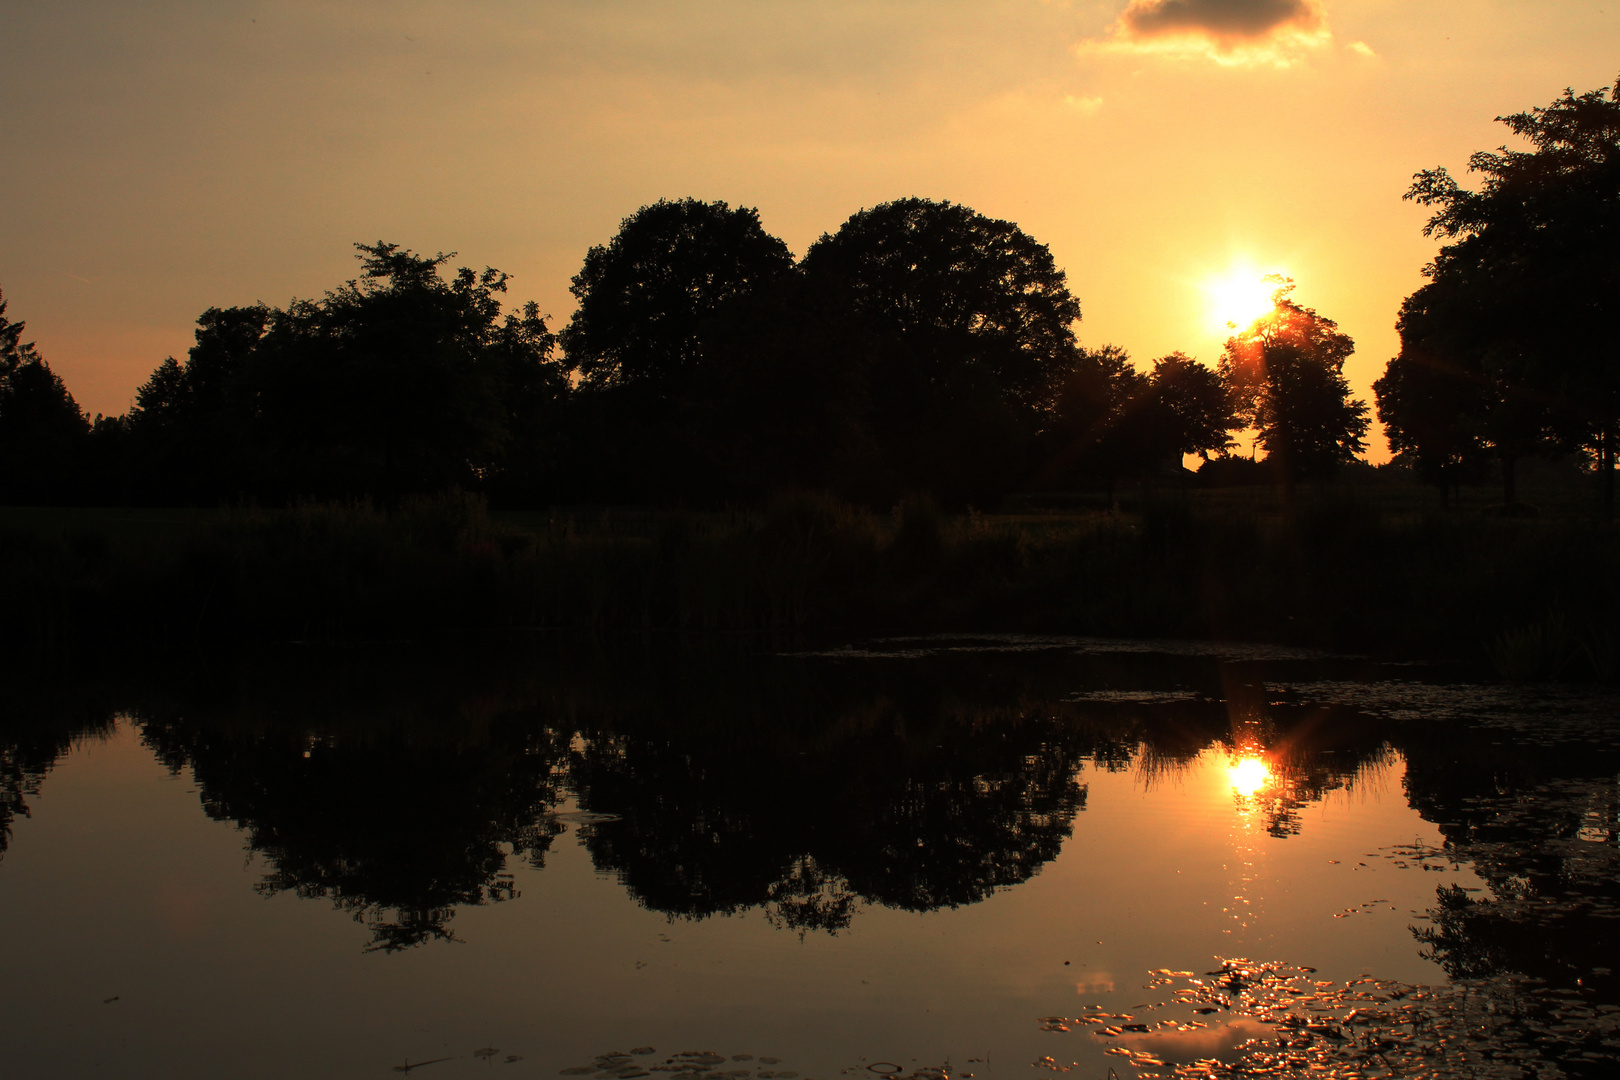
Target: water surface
(946, 854)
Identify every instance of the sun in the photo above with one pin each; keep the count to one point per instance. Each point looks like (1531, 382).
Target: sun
(1239, 297)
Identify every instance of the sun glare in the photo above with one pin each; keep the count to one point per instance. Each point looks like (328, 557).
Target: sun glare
(1248, 775)
(1239, 298)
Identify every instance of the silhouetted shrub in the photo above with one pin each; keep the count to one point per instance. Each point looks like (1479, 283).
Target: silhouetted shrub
(1333, 573)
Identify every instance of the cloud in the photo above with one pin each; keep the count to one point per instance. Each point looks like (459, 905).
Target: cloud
(1199, 1043)
(1227, 31)
(1223, 19)
(1086, 105)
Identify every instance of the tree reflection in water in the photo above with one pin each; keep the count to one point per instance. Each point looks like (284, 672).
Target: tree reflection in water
(875, 811)
(396, 799)
(40, 721)
(1540, 823)
(399, 787)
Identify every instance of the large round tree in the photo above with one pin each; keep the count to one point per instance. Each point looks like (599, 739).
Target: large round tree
(959, 288)
(977, 322)
(645, 296)
(649, 301)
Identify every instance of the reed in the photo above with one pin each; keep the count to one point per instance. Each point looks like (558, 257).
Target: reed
(1337, 573)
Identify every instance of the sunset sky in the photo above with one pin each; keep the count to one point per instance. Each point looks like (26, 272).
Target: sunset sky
(165, 156)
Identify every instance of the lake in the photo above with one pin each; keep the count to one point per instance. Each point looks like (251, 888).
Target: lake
(930, 857)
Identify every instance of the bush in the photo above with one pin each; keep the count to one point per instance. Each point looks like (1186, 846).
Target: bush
(1336, 574)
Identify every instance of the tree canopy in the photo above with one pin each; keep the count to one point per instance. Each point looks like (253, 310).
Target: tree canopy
(1286, 377)
(648, 301)
(958, 289)
(1187, 410)
(1110, 421)
(1523, 301)
(398, 381)
(395, 382)
(645, 295)
(975, 329)
(1440, 404)
(41, 426)
(189, 420)
(922, 349)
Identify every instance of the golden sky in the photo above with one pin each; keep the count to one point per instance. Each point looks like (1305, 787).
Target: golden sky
(162, 157)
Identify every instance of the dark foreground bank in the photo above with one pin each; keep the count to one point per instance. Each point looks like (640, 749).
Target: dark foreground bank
(1533, 598)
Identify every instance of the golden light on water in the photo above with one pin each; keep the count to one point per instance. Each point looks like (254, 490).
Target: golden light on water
(1239, 298)
(1248, 775)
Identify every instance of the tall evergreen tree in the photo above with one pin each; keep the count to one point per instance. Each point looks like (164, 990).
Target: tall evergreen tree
(42, 429)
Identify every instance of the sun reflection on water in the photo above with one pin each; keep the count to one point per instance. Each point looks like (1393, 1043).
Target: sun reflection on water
(1248, 775)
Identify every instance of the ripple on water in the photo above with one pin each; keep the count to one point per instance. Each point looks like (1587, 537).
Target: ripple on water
(1278, 1023)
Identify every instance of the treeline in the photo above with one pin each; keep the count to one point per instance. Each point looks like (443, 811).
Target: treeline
(921, 348)
(1511, 351)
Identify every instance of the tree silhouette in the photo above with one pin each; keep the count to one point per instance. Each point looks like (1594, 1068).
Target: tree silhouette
(1187, 409)
(636, 339)
(189, 422)
(1285, 374)
(644, 296)
(1538, 821)
(1534, 258)
(1089, 433)
(976, 322)
(782, 401)
(877, 814)
(378, 786)
(1435, 399)
(41, 726)
(1111, 421)
(397, 382)
(42, 429)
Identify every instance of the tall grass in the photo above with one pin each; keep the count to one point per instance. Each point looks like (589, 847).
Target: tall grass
(1337, 573)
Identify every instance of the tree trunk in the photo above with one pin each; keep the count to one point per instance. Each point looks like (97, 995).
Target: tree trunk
(1282, 461)
(1606, 466)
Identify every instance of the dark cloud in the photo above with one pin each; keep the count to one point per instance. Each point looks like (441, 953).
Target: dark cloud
(1225, 21)
(1230, 32)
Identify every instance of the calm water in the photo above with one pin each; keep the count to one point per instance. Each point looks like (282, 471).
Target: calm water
(988, 857)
